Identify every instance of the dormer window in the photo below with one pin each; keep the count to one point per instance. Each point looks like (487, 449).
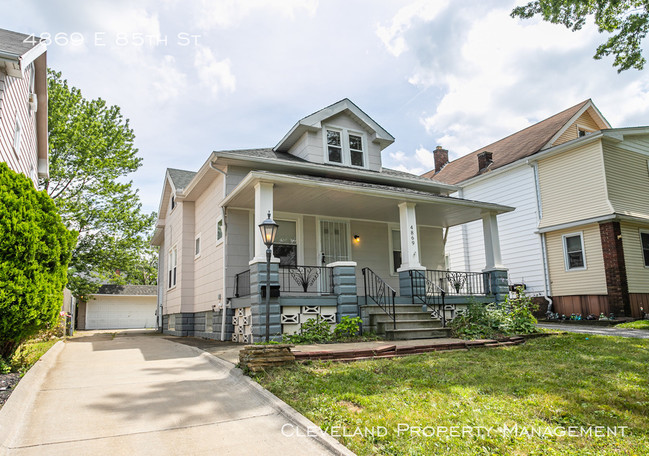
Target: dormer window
(345, 147)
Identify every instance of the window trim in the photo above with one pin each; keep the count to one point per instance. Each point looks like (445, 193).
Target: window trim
(566, 259)
(220, 240)
(345, 149)
(172, 269)
(642, 231)
(198, 243)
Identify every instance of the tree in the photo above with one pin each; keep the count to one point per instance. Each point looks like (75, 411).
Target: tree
(91, 150)
(629, 18)
(35, 248)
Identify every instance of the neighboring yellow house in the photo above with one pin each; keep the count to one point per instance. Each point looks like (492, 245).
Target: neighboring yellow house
(580, 233)
(595, 220)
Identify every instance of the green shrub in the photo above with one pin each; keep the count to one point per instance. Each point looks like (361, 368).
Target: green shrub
(479, 321)
(5, 367)
(35, 248)
(348, 328)
(312, 331)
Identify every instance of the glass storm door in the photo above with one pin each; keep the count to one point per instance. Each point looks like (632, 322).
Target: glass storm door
(334, 241)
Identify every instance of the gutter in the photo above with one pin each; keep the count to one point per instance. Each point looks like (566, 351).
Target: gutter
(223, 303)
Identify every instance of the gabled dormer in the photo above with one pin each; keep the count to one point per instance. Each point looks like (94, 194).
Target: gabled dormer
(585, 121)
(340, 134)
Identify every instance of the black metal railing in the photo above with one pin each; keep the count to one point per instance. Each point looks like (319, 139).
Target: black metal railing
(306, 279)
(380, 293)
(426, 292)
(460, 283)
(242, 284)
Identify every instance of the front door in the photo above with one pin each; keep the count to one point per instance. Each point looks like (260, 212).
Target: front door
(334, 241)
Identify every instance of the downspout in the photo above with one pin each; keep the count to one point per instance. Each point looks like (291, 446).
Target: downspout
(544, 250)
(161, 281)
(224, 300)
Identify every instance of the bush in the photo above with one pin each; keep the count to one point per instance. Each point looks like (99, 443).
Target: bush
(312, 331)
(35, 248)
(493, 320)
(348, 328)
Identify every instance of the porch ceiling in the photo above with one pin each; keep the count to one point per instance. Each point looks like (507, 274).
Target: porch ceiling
(311, 195)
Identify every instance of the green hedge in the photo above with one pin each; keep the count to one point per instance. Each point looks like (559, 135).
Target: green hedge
(35, 248)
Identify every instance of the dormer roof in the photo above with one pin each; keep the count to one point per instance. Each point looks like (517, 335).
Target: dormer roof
(315, 121)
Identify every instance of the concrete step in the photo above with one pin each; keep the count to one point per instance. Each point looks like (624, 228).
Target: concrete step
(382, 327)
(417, 333)
(383, 317)
(374, 309)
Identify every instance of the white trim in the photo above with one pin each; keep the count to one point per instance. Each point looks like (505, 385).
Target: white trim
(576, 223)
(200, 246)
(319, 220)
(642, 231)
(565, 251)
(174, 249)
(337, 264)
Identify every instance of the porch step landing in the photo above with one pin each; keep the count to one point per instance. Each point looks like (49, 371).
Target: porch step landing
(410, 323)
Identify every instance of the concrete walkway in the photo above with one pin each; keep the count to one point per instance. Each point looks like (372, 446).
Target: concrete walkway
(136, 393)
(597, 330)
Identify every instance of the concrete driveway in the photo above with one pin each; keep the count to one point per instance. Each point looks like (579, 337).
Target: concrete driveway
(135, 393)
(597, 330)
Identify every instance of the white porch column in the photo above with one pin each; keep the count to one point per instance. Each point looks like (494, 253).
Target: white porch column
(491, 242)
(409, 237)
(263, 204)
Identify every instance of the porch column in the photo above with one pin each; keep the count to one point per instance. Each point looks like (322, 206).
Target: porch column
(409, 237)
(498, 283)
(491, 242)
(263, 204)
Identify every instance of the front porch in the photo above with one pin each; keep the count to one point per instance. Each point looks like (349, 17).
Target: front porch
(346, 249)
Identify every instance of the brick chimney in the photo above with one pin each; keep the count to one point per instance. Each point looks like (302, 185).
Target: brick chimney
(440, 156)
(484, 159)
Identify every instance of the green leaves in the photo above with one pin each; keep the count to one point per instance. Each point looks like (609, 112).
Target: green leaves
(628, 20)
(35, 249)
(92, 150)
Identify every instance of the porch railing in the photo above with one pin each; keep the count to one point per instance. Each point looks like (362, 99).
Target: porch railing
(380, 293)
(242, 284)
(426, 292)
(456, 283)
(306, 279)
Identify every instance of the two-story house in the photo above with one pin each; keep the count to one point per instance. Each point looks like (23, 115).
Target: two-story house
(579, 236)
(23, 104)
(351, 233)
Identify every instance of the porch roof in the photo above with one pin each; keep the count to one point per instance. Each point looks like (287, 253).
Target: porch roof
(316, 195)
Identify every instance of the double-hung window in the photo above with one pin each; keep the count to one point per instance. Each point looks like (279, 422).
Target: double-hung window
(644, 240)
(172, 267)
(285, 246)
(573, 251)
(345, 147)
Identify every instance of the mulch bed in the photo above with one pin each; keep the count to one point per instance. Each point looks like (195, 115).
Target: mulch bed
(7, 384)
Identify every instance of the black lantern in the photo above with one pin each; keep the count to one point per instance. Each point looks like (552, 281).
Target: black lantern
(268, 230)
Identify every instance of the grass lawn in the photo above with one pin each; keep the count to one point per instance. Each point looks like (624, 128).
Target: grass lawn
(544, 386)
(638, 324)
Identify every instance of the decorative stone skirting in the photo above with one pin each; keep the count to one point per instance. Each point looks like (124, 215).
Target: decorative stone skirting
(259, 357)
(294, 316)
(242, 322)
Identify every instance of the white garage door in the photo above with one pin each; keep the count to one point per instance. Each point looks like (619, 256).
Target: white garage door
(121, 312)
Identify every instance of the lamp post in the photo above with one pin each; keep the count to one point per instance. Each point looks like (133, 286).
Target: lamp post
(268, 230)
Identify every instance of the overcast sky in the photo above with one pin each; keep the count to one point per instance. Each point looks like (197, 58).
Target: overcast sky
(199, 76)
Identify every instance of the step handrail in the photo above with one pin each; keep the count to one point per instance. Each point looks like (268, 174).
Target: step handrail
(381, 293)
(433, 296)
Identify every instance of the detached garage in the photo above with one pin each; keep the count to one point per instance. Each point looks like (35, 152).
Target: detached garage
(119, 307)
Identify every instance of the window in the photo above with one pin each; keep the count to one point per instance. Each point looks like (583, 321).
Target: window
(644, 240)
(285, 246)
(573, 251)
(197, 246)
(172, 266)
(396, 249)
(219, 230)
(173, 202)
(356, 150)
(334, 241)
(18, 129)
(345, 147)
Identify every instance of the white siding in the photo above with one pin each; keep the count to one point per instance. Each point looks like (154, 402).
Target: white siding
(520, 245)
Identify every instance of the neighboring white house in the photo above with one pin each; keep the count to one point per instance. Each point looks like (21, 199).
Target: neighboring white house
(562, 175)
(23, 104)
(119, 307)
(350, 232)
